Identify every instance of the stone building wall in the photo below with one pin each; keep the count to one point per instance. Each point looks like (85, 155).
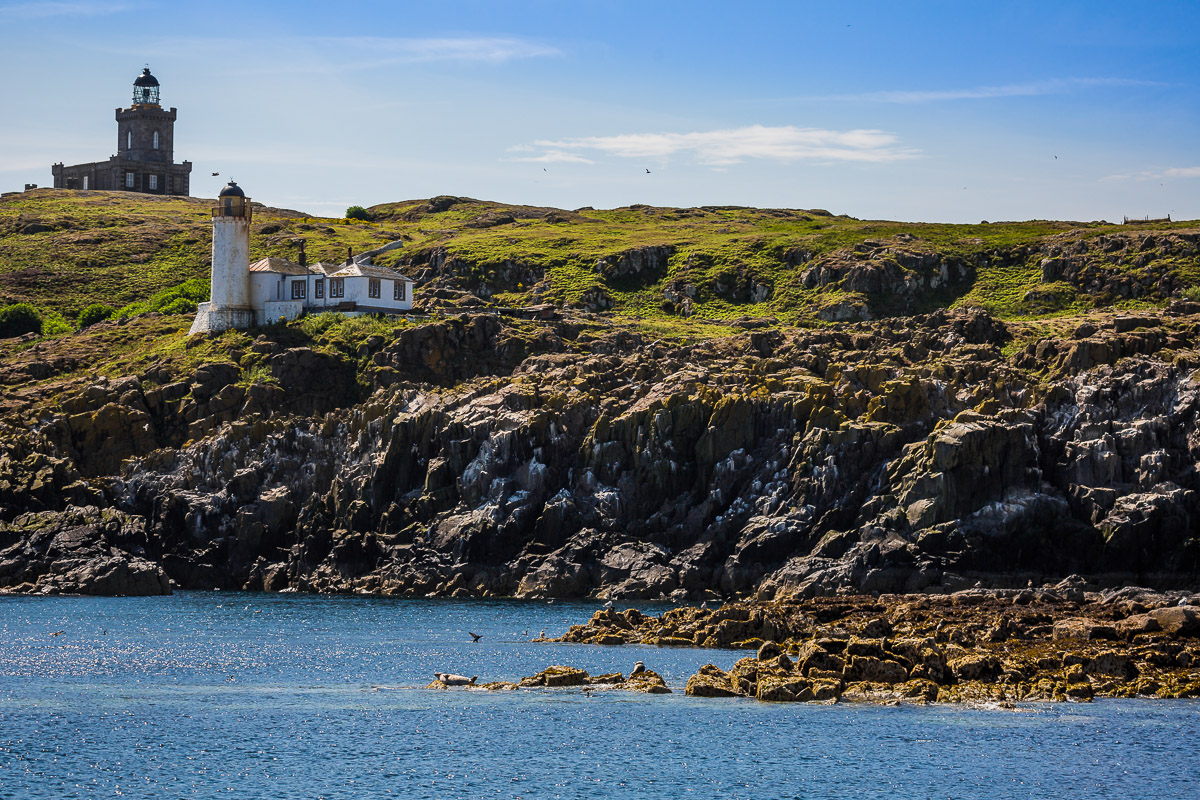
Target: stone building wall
(172, 179)
(136, 126)
(152, 168)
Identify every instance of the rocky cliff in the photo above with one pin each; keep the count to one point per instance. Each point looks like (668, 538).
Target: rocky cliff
(491, 455)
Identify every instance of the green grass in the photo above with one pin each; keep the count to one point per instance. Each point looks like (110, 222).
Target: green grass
(181, 299)
(121, 248)
(144, 253)
(721, 246)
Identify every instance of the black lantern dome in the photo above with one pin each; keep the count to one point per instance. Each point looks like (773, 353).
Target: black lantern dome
(232, 202)
(145, 89)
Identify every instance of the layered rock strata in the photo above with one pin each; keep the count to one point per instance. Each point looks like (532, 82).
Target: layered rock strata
(489, 456)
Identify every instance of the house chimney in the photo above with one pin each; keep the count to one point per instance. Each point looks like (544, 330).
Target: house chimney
(303, 255)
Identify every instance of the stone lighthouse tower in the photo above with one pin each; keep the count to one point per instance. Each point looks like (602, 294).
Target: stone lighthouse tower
(229, 301)
(145, 150)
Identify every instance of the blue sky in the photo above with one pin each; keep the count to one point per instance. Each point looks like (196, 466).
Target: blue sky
(938, 111)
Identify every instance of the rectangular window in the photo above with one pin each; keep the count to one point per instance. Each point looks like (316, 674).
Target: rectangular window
(337, 287)
(297, 290)
(153, 181)
(319, 287)
(373, 287)
(156, 140)
(128, 180)
(85, 177)
(398, 291)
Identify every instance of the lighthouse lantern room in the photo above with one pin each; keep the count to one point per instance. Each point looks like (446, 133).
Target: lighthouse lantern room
(145, 89)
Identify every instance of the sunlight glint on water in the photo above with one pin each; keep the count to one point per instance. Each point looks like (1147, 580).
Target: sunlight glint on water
(238, 695)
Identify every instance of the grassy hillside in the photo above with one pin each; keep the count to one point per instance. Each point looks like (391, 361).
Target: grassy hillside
(715, 255)
(62, 250)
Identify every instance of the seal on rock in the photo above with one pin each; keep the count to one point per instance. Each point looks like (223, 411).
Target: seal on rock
(451, 679)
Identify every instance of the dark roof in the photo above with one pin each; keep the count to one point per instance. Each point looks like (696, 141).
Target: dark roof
(232, 190)
(146, 79)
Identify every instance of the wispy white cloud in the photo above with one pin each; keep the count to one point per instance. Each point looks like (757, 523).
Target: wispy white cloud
(326, 54)
(79, 9)
(548, 156)
(492, 50)
(1034, 89)
(784, 143)
(1155, 174)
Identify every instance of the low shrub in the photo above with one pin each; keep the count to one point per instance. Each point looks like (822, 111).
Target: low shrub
(180, 305)
(55, 324)
(166, 302)
(19, 319)
(96, 312)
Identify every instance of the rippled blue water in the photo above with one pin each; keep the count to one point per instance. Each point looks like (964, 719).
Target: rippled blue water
(219, 694)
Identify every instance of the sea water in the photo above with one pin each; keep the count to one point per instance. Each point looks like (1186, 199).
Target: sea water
(221, 694)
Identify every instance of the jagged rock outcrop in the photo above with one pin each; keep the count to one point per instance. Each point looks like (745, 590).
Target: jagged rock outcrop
(1130, 266)
(894, 277)
(482, 456)
(78, 551)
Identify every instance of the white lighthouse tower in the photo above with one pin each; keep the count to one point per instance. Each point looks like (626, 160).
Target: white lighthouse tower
(229, 301)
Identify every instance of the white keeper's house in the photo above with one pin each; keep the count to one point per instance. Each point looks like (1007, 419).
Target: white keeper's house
(271, 289)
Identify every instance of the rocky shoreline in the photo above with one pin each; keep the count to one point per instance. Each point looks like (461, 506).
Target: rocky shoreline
(1050, 644)
(487, 456)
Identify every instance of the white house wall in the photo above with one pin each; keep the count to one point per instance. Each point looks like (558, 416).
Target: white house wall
(357, 291)
(272, 287)
(275, 310)
(263, 288)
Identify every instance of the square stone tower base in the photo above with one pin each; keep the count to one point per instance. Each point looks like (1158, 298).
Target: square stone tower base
(213, 319)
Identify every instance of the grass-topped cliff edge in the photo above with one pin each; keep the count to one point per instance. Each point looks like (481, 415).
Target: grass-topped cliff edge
(62, 251)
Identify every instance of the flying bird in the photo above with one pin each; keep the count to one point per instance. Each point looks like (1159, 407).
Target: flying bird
(215, 174)
(647, 172)
(475, 637)
(58, 633)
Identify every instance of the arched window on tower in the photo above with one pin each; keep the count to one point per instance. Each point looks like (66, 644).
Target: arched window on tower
(156, 140)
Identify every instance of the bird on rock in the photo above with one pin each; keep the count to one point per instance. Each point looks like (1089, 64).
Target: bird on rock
(638, 669)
